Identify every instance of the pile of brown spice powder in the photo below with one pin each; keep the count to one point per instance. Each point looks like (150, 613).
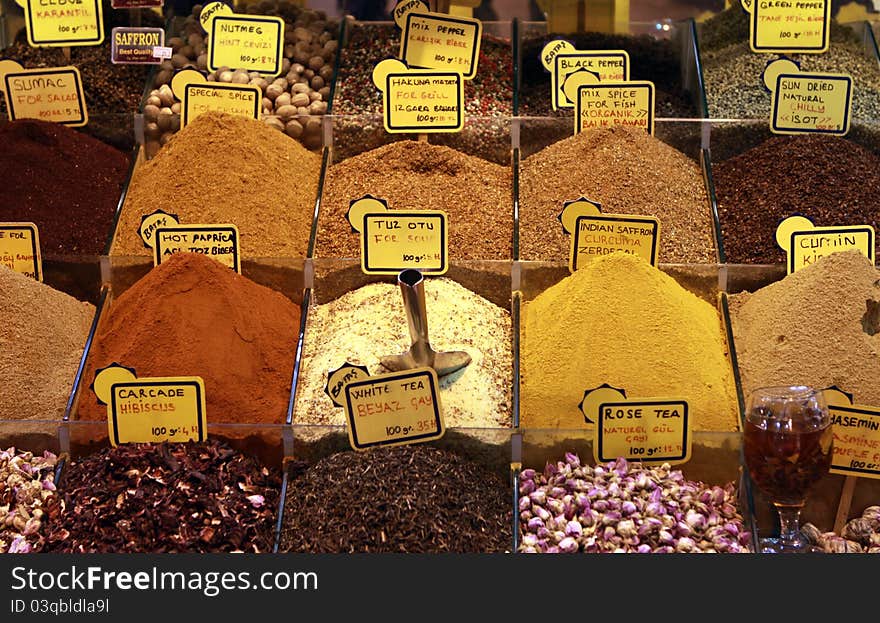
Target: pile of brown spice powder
(192, 316)
(42, 335)
(411, 175)
(225, 168)
(626, 170)
(819, 326)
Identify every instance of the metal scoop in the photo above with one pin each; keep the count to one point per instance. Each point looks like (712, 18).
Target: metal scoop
(412, 286)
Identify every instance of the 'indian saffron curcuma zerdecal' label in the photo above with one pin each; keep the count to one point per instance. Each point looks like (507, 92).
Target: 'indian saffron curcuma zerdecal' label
(856, 429)
(162, 233)
(568, 65)
(594, 234)
(802, 26)
(808, 103)
(249, 42)
(605, 105)
(20, 249)
(653, 430)
(395, 240)
(804, 243)
(440, 41)
(63, 24)
(49, 94)
(151, 410)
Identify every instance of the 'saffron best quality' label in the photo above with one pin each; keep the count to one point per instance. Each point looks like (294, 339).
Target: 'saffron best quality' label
(151, 410)
(394, 240)
(49, 94)
(136, 46)
(419, 100)
(653, 430)
(594, 234)
(804, 243)
(802, 26)
(394, 409)
(856, 428)
(56, 24)
(808, 103)
(438, 41)
(20, 249)
(607, 105)
(249, 42)
(568, 65)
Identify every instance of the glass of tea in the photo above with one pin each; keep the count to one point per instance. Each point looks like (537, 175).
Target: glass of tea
(787, 447)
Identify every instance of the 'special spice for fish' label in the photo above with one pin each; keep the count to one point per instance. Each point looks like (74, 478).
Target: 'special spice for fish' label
(407, 499)
(192, 316)
(618, 320)
(164, 498)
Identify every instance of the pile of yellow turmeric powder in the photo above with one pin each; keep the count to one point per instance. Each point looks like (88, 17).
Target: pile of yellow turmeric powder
(619, 320)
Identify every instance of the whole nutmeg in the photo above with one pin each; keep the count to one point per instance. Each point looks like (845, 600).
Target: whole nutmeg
(274, 90)
(308, 74)
(300, 99)
(154, 100)
(164, 76)
(302, 111)
(313, 125)
(240, 77)
(166, 64)
(299, 87)
(202, 62)
(318, 108)
(289, 50)
(225, 76)
(166, 137)
(283, 100)
(314, 96)
(286, 112)
(151, 112)
(326, 72)
(151, 130)
(293, 128)
(267, 103)
(164, 120)
(317, 82)
(253, 75)
(188, 51)
(297, 67)
(195, 39)
(302, 34)
(175, 43)
(275, 122)
(166, 95)
(325, 93)
(285, 65)
(175, 108)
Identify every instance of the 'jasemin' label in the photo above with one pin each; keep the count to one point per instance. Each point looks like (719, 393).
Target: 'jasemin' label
(615, 104)
(219, 242)
(653, 430)
(151, 410)
(419, 100)
(49, 94)
(804, 243)
(235, 99)
(856, 428)
(20, 249)
(568, 65)
(395, 240)
(249, 42)
(136, 46)
(801, 26)
(61, 24)
(394, 409)
(438, 41)
(811, 104)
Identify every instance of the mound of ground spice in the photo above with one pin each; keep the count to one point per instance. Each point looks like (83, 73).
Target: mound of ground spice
(192, 316)
(406, 499)
(66, 182)
(828, 179)
(165, 498)
(623, 322)
(819, 326)
(629, 172)
(225, 168)
(42, 335)
(412, 175)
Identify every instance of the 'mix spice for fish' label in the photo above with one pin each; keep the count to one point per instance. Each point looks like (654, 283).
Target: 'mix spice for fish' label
(55, 24)
(653, 430)
(199, 96)
(856, 428)
(606, 105)
(395, 240)
(808, 103)
(567, 64)
(137, 46)
(166, 236)
(594, 234)
(49, 94)
(419, 100)
(249, 42)
(804, 243)
(439, 41)
(153, 409)
(20, 249)
(802, 26)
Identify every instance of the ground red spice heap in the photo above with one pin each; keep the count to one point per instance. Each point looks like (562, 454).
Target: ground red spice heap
(66, 182)
(192, 316)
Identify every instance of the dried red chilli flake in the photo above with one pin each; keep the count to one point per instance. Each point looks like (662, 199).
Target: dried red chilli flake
(163, 498)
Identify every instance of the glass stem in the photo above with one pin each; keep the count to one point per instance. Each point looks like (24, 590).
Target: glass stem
(789, 518)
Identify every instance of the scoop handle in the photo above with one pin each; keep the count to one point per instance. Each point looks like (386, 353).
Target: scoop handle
(412, 287)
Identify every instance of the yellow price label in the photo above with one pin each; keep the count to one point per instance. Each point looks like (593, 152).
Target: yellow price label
(805, 244)
(653, 430)
(74, 23)
(806, 103)
(151, 410)
(439, 41)
(419, 100)
(219, 242)
(570, 68)
(252, 43)
(394, 409)
(856, 430)
(49, 94)
(607, 105)
(236, 99)
(20, 249)
(796, 26)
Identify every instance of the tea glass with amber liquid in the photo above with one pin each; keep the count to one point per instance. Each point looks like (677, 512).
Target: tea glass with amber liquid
(787, 447)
